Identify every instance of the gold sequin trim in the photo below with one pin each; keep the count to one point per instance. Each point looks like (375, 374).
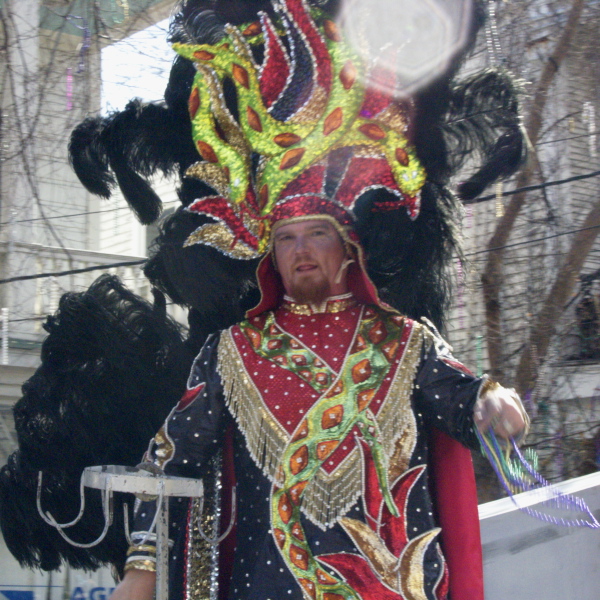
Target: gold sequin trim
(201, 556)
(382, 562)
(331, 305)
(164, 447)
(221, 237)
(394, 116)
(313, 109)
(212, 174)
(367, 150)
(412, 577)
(396, 420)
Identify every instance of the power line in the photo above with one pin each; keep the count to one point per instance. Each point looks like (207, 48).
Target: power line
(474, 201)
(572, 137)
(73, 271)
(549, 237)
(41, 318)
(139, 262)
(530, 188)
(91, 212)
(46, 315)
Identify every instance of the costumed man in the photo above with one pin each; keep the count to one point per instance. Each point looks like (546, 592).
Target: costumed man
(331, 395)
(325, 400)
(334, 415)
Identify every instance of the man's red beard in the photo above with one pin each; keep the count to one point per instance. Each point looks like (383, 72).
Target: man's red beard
(310, 291)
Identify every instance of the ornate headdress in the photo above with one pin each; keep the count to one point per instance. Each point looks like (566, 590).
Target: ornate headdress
(313, 132)
(290, 121)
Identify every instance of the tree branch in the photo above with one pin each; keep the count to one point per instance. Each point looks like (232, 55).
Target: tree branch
(562, 289)
(492, 277)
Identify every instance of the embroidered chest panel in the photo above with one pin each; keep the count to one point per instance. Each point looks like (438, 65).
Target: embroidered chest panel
(279, 390)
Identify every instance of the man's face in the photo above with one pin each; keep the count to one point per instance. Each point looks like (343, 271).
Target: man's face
(309, 255)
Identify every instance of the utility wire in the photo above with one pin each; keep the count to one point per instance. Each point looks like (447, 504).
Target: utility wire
(81, 214)
(73, 271)
(41, 318)
(45, 316)
(139, 262)
(549, 237)
(530, 188)
(474, 201)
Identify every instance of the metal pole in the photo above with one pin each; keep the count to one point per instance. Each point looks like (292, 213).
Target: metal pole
(5, 336)
(162, 548)
(142, 483)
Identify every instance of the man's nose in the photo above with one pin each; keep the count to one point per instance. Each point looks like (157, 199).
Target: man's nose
(301, 244)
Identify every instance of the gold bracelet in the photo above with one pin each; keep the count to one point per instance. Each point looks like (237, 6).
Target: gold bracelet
(141, 565)
(487, 385)
(145, 548)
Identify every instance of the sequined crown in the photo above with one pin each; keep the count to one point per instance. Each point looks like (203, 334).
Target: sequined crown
(314, 130)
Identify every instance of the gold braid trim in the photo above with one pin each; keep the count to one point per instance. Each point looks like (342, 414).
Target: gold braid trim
(327, 497)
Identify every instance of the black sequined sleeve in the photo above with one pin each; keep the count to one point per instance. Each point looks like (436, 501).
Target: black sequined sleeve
(191, 435)
(446, 392)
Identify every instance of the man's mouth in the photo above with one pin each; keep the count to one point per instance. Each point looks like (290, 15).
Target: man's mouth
(304, 268)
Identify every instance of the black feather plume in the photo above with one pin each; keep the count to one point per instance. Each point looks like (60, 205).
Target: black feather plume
(112, 367)
(130, 146)
(218, 287)
(484, 122)
(89, 158)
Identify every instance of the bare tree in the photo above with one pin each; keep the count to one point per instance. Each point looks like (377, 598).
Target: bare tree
(50, 80)
(492, 277)
(528, 303)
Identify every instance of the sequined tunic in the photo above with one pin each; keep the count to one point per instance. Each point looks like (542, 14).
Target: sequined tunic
(263, 379)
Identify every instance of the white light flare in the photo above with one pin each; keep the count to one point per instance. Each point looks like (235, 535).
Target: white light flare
(415, 39)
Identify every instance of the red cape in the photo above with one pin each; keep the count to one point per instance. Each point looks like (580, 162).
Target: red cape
(455, 497)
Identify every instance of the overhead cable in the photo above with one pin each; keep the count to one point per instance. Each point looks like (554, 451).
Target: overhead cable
(529, 188)
(128, 263)
(548, 237)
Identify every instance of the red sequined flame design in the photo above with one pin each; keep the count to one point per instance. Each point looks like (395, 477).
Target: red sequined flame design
(390, 563)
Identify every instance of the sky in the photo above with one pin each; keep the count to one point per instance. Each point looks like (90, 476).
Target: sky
(423, 36)
(137, 66)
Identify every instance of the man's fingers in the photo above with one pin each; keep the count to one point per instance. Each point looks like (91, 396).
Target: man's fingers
(500, 410)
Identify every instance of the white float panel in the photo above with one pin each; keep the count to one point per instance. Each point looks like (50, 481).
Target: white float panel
(527, 559)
